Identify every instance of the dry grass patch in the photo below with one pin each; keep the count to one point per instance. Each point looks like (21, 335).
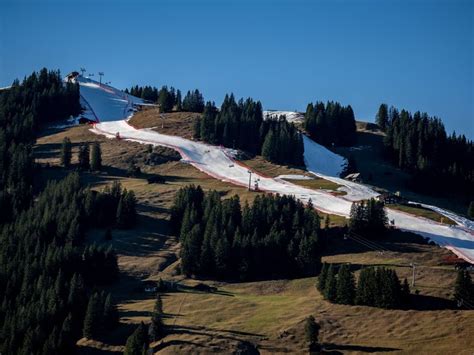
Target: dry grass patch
(173, 123)
(264, 167)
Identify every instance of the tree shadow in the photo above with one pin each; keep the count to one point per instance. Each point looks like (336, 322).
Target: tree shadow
(164, 344)
(394, 241)
(430, 303)
(118, 335)
(228, 334)
(351, 347)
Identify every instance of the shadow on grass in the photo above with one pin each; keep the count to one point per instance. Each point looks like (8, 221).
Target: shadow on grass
(350, 347)
(116, 336)
(214, 332)
(164, 344)
(393, 241)
(430, 303)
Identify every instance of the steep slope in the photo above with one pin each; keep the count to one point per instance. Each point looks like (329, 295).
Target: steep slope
(105, 103)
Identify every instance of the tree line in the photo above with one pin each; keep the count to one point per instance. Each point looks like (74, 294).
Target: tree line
(275, 237)
(330, 123)
(376, 287)
(40, 98)
(169, 99)
(368, 218)
(46, 271)
(88, 159)
(242, 125)
(419, 144)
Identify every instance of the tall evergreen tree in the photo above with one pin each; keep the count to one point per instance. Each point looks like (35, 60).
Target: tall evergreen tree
(464, 289)
(382, 117)
(137, 343)
(312, 332)
(330, 289)
(96, 157)
(405, 293)
(84, 156)
(345, 288)
(66, 152)
(93, 319)
(126, 210)
(470, 210)
(156, 329)
(110, 314)
(323, 277)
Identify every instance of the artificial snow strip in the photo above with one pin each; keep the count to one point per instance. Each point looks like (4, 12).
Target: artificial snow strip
(215, 161)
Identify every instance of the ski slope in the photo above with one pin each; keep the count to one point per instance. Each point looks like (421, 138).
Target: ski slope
(105, 103)
(219, 163)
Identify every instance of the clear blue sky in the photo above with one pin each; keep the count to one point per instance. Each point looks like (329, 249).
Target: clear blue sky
(413, 54)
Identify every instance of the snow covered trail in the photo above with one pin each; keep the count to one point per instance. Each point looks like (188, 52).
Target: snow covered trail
(105, 103)
(323, 163)
(215, 162)
(112, 106)
(460, 221)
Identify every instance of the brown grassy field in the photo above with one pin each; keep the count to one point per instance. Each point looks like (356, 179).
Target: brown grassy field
(173, 123)
(267, 316)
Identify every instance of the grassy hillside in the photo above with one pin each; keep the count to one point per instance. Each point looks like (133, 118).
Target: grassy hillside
(266, 316)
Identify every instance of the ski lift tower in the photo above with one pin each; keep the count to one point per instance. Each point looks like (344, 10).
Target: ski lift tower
(250, 179)
(101, 74)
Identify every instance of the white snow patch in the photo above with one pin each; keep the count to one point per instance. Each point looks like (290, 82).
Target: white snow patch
(460, 221)
(70, 122)
(105, 103)
(319, 159)
(295, 177)
(291, 116)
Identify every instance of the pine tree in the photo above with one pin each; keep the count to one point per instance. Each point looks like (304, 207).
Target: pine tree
(178, 101)
(126, 210)
(110, 314)
(405, 293)
(366, 287)
(137, 343)
(156, 329)
(345, 285)
(330, 289)
(323, 277)
(84, 157)
(269, 149)
(92, 321)
(96, 157)
(382, 117)
(463, 289)
(311, 332)
(66, 152)
(470, 210)
(66, 343)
